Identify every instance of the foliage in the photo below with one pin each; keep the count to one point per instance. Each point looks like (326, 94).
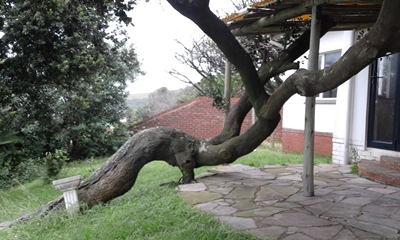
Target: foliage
(54, 163)
(63, 73)
(354, 159)
(15, 166)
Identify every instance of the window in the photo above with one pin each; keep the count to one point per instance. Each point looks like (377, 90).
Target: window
(327, 60)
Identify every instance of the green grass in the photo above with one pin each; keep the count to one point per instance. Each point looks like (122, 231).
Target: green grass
(264, 155)
(147, 211)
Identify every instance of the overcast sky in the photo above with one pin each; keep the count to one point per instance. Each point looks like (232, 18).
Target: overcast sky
(157, 26)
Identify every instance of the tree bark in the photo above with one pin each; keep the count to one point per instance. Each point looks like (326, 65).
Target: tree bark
(120, 171)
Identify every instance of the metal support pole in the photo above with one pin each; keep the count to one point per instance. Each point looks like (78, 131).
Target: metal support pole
(308, 150)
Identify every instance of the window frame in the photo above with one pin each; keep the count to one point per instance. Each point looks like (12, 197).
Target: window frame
(321, 65)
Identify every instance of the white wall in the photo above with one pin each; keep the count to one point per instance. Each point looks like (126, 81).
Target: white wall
(293, 110)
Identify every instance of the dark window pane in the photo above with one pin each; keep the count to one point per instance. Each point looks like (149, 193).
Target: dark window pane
(330, 59)
(384, 100)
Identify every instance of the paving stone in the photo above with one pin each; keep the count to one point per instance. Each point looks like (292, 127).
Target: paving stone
(322, 192)
(241, 193)
(372, 218)
(253, 182)
(345, 234)
(221, 190)
(286, 205)
(312, 200)
(238, 222)
(396, 216)
(342, 211)
(359, 201)
(281, 182)
(292, 230)
(320, 208)
(267, 193)
(381, 190)
(273, 231)
(322, 232)
(330, 182)
(207, 207)
(379, 211)
(362, 181)
(374, 228)
(394, 196)
(297, 236)
(245, 204)
(347, 192)
(222, 202)
(344, 169)
(360, 234)
(193, 187)
(298, 197)
(320, 183)
(387, 202)
(205, 174)
(329, 175)
(393, 188)
(334, 197)
(351, 186)
(260, 212)
(193, 198)
(296, 219)
(291, 177)
(223, 177)
(223, 210)
(269, 202)
(275, 192)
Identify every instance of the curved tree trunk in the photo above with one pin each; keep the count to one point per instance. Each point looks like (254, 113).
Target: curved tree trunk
(119, 172)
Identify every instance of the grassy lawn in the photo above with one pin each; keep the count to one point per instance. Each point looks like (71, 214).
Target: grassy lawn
(147, 211)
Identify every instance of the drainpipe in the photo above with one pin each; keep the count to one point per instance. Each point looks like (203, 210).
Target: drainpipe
(349, 106)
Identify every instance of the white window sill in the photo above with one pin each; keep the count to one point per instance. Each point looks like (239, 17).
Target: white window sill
(325, 101)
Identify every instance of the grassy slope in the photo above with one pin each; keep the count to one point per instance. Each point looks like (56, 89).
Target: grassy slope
(148, 211)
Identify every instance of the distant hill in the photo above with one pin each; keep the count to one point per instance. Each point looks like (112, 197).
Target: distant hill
(138, 100)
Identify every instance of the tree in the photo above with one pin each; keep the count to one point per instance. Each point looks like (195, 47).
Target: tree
(119, 172)
(63, 72)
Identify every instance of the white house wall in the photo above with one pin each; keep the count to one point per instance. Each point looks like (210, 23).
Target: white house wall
(293, 113)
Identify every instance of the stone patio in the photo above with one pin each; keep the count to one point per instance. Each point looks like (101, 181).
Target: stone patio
(269, 202)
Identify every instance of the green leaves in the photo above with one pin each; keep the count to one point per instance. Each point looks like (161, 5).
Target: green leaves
(64, 73)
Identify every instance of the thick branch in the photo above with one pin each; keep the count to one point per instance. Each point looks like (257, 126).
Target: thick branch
(201, 15)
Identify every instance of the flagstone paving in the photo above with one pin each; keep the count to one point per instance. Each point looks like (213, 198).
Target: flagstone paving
(269, 202)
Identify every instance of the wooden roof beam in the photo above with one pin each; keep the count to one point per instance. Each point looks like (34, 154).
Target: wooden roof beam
(290, 13)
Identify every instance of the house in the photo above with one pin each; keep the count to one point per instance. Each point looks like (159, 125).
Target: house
(360, 116)
(358, 120)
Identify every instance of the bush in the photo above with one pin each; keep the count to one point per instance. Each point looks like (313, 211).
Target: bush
(54, 163)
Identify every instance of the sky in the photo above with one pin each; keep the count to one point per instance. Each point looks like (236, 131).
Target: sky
(156, 27)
